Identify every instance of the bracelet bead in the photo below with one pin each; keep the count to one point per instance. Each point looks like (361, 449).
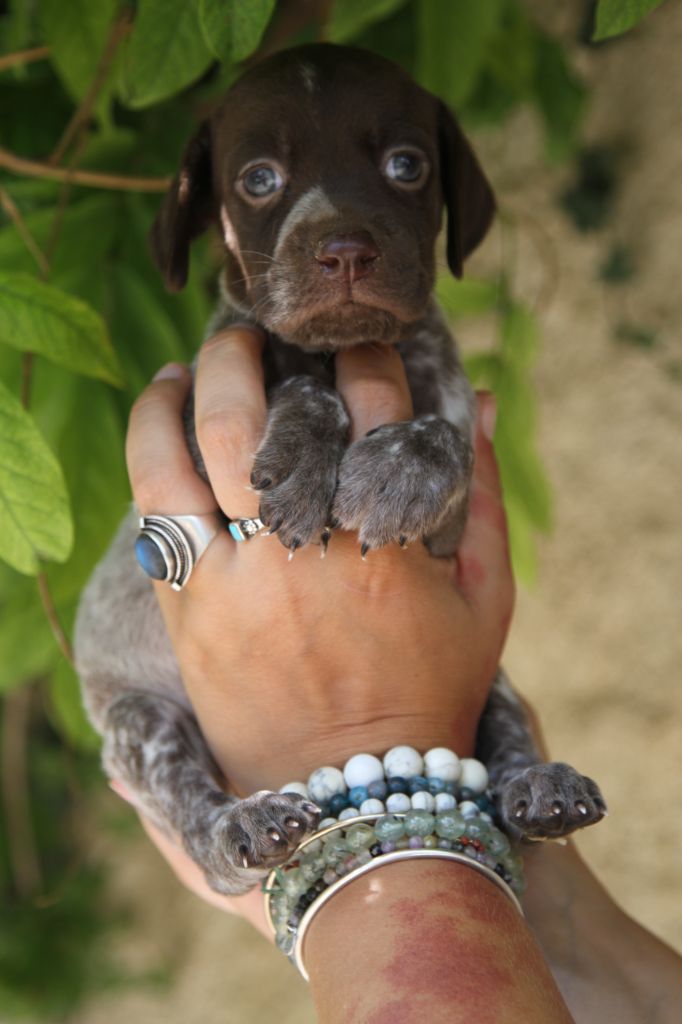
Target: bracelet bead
(374, 811)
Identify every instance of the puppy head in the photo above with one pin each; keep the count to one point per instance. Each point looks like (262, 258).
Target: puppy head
(326, 170)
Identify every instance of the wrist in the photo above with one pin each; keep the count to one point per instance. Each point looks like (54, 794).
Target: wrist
(427, 941)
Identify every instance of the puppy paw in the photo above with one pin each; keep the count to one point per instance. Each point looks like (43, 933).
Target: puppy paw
(547, 801)
(398, 482)
(264, 829)
(296, 466)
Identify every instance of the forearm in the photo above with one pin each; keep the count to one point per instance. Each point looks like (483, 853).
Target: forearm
(434, 941)
(608, 968)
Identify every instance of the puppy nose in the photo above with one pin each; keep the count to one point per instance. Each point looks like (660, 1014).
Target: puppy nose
(348, 256)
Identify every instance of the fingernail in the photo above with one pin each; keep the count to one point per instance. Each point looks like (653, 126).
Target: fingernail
(171, 371)
(245, 325)
(489, 416)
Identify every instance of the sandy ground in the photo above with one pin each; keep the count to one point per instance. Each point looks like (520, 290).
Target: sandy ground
(597, 644)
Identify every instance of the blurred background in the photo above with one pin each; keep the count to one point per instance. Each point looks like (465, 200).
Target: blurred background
(570, 313)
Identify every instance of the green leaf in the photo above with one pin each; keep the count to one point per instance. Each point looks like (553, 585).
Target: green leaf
(16, 30)
(617, 16)
(233, 29)
(468, 297)
(521, 542)
(90, 225)
(76, 33)
(27, 646)
(350, 17)
(519, 336)
(511, 51)
(35, 521)
(36, 317)
(453, 36)
(146, 335)
(91, 449)
(165, 52)
(561, 98)
(67, 705)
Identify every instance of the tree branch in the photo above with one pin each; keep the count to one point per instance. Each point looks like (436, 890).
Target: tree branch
(51, 612)
(12, 211)
(119, 30)
(13, 60)
(91, 179)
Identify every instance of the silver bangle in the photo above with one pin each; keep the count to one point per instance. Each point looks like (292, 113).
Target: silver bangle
(296, 955)
(296, 952)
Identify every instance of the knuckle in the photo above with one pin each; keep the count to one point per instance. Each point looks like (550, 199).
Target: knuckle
(144, 406)
(378, 397)
(230, 438)
(151, 486)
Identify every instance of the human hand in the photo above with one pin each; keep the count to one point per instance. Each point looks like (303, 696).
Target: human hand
(290, 665)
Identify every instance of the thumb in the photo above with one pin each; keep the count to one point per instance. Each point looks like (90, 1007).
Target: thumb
(484, 568)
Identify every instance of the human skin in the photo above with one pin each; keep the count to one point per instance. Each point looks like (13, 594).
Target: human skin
(312, 661)
(352, 655)
(607, 967)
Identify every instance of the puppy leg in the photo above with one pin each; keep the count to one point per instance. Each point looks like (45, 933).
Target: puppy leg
(402, 481)
(296, 466)
(154, 747)
(535, 800)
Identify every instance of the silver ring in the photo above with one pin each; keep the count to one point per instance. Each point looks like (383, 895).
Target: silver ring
(242, 529)
(168, 547)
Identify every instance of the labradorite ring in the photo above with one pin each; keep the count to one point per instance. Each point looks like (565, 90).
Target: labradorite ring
(168, 547)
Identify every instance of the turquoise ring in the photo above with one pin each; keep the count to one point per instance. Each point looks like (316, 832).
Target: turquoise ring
(243, 529)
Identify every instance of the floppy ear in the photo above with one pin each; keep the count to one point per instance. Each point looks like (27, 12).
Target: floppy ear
(468, 196)
(186, 211)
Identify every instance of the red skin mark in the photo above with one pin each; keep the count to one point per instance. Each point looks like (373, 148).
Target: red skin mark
(395, 1012)
(479, 976)
(487, 508)
(472, 574)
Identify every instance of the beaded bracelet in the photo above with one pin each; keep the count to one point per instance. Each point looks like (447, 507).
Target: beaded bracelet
(428, 816)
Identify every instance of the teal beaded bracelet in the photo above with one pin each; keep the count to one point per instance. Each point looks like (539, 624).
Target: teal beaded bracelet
(343, 851)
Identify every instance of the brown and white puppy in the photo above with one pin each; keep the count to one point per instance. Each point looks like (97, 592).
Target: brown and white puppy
(327, 170)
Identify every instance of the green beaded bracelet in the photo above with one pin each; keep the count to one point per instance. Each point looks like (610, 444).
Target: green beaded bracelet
(323, 860)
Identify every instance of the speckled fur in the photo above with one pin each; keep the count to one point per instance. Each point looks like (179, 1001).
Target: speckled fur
(405, 481)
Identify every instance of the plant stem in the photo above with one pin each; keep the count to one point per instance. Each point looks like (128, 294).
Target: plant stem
(12, 211)
(52, 617)
(91, 179)
(119, 30)
(15, 793)
(13, 60)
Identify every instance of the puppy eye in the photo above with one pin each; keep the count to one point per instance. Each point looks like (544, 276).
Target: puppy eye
(261, 181)
(406, 167)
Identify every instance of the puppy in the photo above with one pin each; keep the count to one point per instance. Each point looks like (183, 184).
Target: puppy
(326, 169)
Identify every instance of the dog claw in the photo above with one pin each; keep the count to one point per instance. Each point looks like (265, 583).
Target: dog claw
(293, 547)
(363, 551)
(274, 526)
(402, 540)
(324, 541)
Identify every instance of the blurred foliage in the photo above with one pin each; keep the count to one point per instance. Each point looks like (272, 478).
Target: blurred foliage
(619, 265)
(617, 16)
(590, 197)
(114, 88)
